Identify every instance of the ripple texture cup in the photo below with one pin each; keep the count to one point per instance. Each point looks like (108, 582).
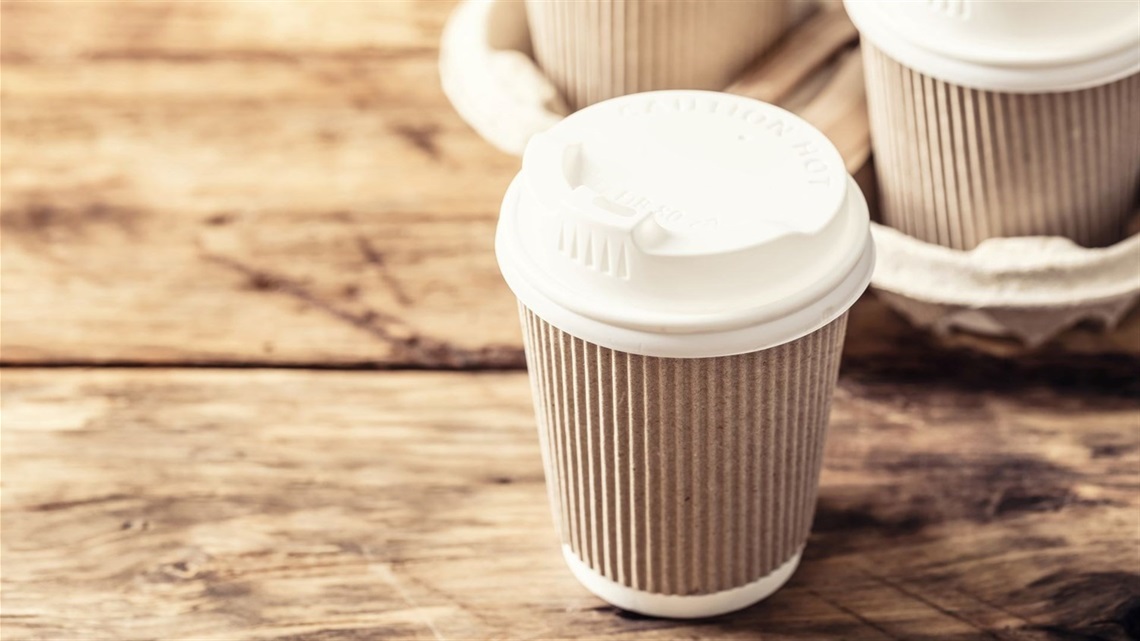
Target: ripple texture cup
(684, 262)
(683, 476)
(995, 119)
(593, 50)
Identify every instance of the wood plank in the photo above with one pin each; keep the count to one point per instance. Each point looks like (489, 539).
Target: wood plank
(207, 504)
(212, 201)
(196, 30)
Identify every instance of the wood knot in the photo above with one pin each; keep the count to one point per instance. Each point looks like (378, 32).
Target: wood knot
(141, 525)
(181, 570)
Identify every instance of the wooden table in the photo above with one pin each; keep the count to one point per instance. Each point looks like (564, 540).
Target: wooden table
(262, 379)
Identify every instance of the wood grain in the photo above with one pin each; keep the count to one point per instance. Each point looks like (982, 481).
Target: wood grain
(297, 196)
(206, 504)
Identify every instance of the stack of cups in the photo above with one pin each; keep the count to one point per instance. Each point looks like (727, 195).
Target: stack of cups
(593, 50)
(684, 262)
(993, 118)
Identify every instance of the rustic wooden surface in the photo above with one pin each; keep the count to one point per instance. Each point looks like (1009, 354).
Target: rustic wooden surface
(208, 504)
(206, 193)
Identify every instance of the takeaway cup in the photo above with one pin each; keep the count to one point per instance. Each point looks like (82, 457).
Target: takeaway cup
(597, 49)
(993, 118)
(684, 262)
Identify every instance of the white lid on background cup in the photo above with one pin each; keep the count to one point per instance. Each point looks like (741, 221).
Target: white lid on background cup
(1025, 46)
(684, 224)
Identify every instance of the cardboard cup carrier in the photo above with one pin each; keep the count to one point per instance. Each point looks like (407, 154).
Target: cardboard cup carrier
(993, 118)
(684, 262)
(597, 49)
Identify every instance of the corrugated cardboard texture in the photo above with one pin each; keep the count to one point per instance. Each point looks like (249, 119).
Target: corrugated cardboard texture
(597, 49)
(682, 476)
(957, 165)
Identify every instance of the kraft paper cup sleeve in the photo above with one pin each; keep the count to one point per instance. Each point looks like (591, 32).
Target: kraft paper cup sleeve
(683, 477)
(1004, 119)
(957, 165)
(592, 50)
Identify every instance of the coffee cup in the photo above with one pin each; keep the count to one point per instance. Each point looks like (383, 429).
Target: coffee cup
(684, 262)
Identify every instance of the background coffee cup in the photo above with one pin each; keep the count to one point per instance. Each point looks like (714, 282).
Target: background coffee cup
(997, 119)
(593, 50)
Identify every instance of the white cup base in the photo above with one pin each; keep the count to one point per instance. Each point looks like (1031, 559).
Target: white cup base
(674, 606)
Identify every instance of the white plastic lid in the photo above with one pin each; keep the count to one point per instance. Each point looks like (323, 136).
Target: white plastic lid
(684, 224)
(1020, 46)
